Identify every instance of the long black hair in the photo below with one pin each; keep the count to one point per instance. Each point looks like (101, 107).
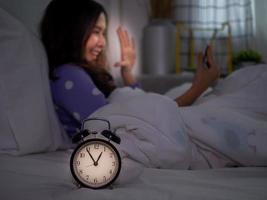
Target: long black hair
(65, 28)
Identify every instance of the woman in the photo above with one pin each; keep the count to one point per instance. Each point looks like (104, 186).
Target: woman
(74, 35)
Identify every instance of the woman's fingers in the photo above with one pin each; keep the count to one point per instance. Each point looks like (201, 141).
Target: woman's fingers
(212, 64)
(210, 56)
(200, 60)
(123, 37)
(126, 37)
(127, 44)
(120, 35)
(122, 64)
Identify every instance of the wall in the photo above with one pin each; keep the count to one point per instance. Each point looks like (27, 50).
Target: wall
(261, 27)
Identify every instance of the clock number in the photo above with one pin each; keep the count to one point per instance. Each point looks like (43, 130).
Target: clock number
(87, 177)
(95, 180)
(96, 146)
(104, 178)
(111, 155)
(104, 148)
(113, 163)
(82, 155)
(81, 171)
(110, 171)
(78, 163)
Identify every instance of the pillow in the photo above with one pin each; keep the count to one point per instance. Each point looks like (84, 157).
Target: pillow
(28, 123)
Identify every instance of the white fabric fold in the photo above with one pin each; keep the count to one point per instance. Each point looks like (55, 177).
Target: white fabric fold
(150, 128)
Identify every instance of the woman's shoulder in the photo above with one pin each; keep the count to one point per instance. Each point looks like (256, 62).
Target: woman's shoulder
(72, 72)
(70, 67)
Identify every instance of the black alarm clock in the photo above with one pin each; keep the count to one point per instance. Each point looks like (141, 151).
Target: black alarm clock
(95, 163)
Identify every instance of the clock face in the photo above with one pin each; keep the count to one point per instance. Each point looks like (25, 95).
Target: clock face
(95, 163)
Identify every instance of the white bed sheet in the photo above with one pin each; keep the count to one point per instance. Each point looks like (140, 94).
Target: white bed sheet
(47, 176)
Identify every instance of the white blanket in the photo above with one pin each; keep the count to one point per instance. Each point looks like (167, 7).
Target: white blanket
(228, 124)
(150, 128)
(232, 119)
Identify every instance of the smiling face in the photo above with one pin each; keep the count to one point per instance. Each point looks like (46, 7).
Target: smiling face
(96, 42)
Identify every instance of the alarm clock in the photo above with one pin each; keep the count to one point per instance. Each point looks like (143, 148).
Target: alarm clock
(95, 163)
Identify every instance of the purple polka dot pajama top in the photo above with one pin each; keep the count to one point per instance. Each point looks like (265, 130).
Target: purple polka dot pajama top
(75, 96)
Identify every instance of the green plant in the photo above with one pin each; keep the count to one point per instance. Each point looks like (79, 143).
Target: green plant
(247, 56)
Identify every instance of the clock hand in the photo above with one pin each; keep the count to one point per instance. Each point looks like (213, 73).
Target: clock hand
(98, 158)
(91, 156)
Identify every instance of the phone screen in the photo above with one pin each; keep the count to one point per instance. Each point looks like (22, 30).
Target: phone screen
(205, 57)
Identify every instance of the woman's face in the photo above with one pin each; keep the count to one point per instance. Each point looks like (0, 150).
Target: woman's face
(96, 41)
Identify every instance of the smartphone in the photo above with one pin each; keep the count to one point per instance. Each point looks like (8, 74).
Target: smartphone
(205, 57)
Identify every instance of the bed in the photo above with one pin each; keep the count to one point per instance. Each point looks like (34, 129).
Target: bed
(35, 152)
(46, 176)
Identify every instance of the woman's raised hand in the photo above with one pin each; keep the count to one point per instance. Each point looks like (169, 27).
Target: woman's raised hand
(205, 75)
(128, 56)
(128, 51)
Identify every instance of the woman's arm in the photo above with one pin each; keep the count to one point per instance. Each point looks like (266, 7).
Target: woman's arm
(128, 57)
(205, 76)
(76, 92)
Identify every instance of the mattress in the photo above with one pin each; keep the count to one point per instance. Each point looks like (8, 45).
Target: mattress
(47, 176)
